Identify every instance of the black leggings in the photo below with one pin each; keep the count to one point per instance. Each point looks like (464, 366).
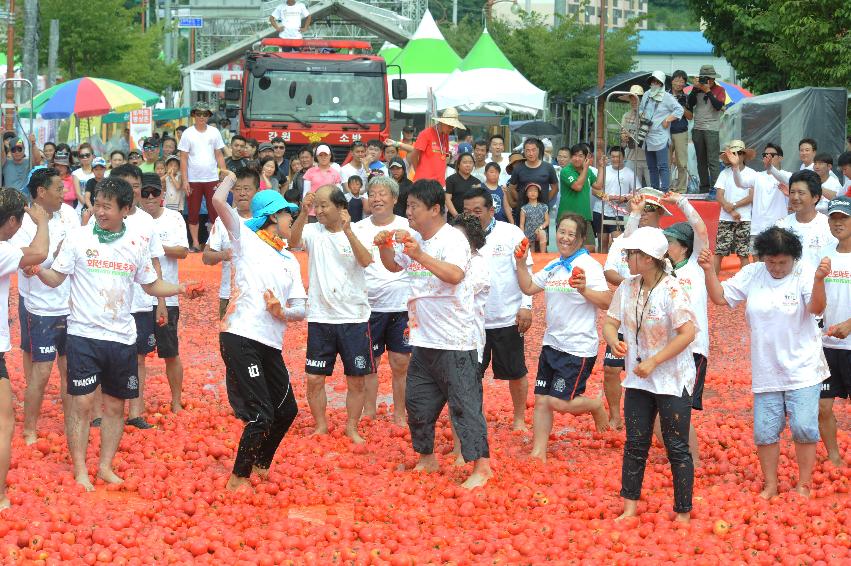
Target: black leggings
(259, 392)
(640, 409)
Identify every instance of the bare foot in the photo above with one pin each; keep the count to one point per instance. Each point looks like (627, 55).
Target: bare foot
(30, 438)
(803, 491)
(625, 515)
(352, 433)
(428, 463)
(539, 455)
(459, 460)
(477, 479)
(400, 420)
(236, 482)
(615, 423)
(109, 476)
(4, 503)
(835, 459)
(262, 472)
(601, 418)
(319, 430)
(369, 414)
(630, 509)
(176, 408)
(683, 518)
(519, 425)
(768, 492)
(83, 480)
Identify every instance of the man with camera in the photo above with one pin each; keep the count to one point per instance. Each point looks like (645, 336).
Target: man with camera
(706, 102)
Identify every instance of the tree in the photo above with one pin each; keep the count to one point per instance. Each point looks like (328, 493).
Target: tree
(781, 44)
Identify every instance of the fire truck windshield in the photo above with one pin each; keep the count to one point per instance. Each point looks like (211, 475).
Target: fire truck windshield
(317, 98)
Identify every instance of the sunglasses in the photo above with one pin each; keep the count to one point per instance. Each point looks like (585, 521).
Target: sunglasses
(147, 148)
(769, 154)
(650, 208)
(151, 192)
(85, 155)
(17, 149)
(279, 147)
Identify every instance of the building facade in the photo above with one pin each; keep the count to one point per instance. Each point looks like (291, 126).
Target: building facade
(619, 11)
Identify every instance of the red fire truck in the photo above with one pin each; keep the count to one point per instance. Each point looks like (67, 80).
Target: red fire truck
(313, 91)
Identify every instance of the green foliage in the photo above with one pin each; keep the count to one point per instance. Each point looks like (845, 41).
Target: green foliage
(104, 39)
(561, 60)
(781, 44)
(671, 15)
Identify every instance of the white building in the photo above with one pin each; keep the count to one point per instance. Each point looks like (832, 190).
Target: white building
(619, 11)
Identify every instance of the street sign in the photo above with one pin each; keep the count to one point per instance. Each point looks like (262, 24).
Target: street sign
(190, 22)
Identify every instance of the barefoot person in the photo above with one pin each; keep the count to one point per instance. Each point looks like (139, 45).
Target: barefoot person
(12, 207)
(338, 305)
(45, 309)
(171, 229)
(787, 365)
(103, 260)
(508, 312)
(388, 299)
(836, 285)
(658, 326)
(444, 361)
(575, 288)
(268, 292)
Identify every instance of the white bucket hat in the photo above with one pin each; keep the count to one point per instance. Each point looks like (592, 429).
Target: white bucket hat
(450, 118)
(659, 76)
(649, 240)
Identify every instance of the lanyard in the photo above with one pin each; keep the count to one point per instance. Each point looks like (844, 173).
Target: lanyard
(640, 321)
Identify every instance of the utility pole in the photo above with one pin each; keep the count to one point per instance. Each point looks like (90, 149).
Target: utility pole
(10, 68)
(168, 40)
(454, 12)
(30, 47)
(52, 53)
(600, 145)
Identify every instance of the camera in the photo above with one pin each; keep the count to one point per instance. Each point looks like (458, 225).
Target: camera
(643, 130)
(703, 80)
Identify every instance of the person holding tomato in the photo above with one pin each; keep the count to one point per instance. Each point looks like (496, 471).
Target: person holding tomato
(659, 326)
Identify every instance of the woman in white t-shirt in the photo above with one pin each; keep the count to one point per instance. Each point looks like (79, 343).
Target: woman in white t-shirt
(659, 326)
(787, 363)
(575, 288)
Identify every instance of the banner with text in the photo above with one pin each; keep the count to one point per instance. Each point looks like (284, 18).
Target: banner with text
(212, 81)
(141, 126)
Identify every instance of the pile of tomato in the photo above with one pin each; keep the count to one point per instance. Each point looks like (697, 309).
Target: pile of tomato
(328, 501)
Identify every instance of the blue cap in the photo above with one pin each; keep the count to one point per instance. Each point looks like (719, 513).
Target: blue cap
(376, 165)
(841, 205)
(264, 204)
(465, 147)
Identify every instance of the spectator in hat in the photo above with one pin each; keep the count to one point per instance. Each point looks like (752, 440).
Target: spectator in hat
(635, 158)
(265, 149)
(399, 172)
(679, 131)
(150, 154)
(432, 148)
(706, 102)
(661, 109)
(71, 187)
(134, 158)
(98, 174)
(16, 170)
(321, 174)
(735, 198)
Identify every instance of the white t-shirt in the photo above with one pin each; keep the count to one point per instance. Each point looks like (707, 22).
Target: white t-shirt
(814, 235)
(348, 170)
(832, 184)
(734, 193)
(336, 283)
(290, 18)
(40, 299)
(387, 291)
(219, 241)
(786, 346)
(479, 278)
(171, 230)
(769, 202)
(571, 318)
(441, 315)
(666, 309)
(259, 267)
(693, 282)
(505, 297)
(83, 177)
(102, 279)
(10, 259)
(201, 147)
(837, 286)
(619, 182)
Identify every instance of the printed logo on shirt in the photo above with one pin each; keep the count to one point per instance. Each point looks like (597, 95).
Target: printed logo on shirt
(416, 269)
(315, 363)
(501, 250)
(92, 253)
(790, 300)
(106, 267)
(559, 286)
(253, 371)
(839, 276)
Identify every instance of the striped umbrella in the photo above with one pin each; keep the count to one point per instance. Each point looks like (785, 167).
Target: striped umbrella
(86, 97)
(734, 92)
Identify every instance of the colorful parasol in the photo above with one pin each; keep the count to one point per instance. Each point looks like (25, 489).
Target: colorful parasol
(734, 92)
(86, 97)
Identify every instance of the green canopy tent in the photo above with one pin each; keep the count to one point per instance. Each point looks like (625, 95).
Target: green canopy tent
(389, 52)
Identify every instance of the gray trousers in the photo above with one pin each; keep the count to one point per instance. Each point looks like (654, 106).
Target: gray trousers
(707, 148)
(436, 377)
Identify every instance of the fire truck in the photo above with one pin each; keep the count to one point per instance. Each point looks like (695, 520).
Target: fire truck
(313, 91)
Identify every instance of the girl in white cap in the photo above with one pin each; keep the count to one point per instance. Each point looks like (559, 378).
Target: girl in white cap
(659, 325)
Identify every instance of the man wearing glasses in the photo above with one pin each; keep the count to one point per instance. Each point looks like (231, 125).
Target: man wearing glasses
(735, 194)
(282, 164)
(17, 169)
(150, 154)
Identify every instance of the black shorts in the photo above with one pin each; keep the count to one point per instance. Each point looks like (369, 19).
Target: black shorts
(562, 375)
(110, 365)
(46, 336)
(389, 331)
(146, 338)
(4, 373)
(839, 382)
(607, 228)
(506, 348)
(166, 336)
(612, 361)
(351, 340)
(700, 363)
(23, 317)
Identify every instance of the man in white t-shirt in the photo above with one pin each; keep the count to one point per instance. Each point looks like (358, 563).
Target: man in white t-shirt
(201, 164)
(770, 197)
(830, 185)
(388, 298)
(103, 259)
(844, 162)
(356, 166)
(45, 309)
(734, 221)
(171, 229)
(290, 20)
(508, 312)
(619, 184)
(480, 154)
(218, 247)
(833, 281)
(806, 222)
(12, 207)
(443, 332)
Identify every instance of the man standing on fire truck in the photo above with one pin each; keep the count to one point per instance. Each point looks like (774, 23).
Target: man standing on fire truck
(290, 20)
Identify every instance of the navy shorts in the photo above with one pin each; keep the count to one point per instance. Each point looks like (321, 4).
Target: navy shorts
(700, 363)
(612, 361)
(166, 336)
(389, 331)
(562, 375)
(4, 373)
(110, 365)
(46, 336)
(505, 348)
(607, 228)
(351, 340)
(146, 338)
(23, 315)
(839, 382)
